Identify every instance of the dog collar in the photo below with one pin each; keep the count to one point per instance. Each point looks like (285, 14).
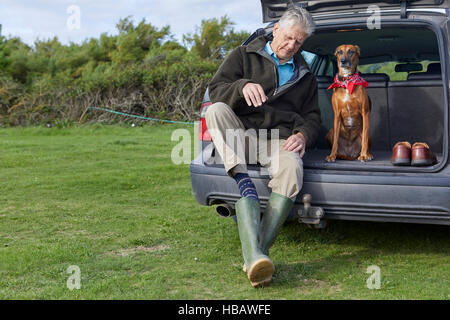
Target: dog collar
(349, 82)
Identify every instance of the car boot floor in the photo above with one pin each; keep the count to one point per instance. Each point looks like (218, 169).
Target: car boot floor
(315, 159)
(381, 161)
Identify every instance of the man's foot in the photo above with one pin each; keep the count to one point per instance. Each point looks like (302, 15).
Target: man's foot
(261, 272)
(257, 284)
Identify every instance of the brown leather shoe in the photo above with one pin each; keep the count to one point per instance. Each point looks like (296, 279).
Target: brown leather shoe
(421, 155)
(401, 154)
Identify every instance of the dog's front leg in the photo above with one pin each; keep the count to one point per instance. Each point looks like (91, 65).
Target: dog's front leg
(336, 130)
(365, 154)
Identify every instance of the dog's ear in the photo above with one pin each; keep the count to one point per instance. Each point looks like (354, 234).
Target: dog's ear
(358, 50)
(336, 51)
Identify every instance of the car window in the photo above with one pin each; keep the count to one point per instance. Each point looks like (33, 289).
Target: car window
(309, 57)
(389, 69)
(329, 70)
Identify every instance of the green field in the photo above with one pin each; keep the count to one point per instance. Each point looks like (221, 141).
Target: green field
(109, 200)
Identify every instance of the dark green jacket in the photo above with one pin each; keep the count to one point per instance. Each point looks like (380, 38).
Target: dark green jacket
(290, 108)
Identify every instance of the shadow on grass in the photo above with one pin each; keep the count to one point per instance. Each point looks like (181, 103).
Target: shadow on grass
(375, 237)
(360, 242)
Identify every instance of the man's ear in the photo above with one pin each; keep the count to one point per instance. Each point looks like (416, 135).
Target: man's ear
(276, 27)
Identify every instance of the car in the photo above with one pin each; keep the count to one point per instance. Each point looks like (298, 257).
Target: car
(405, 58)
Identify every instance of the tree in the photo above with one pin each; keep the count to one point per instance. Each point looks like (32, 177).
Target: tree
(4, 52)
(134, 42)
(215, 38)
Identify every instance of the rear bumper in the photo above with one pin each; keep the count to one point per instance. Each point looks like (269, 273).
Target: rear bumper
(343, 196)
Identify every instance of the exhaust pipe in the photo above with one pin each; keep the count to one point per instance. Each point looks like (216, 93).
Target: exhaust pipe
(225, 210)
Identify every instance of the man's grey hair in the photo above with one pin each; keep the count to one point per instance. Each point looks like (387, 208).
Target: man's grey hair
(299, 16)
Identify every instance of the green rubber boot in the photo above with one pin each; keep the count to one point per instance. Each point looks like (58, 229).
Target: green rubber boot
(277, 211)
(259, 266)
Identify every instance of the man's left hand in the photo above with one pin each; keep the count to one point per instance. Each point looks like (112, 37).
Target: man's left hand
(296, 143)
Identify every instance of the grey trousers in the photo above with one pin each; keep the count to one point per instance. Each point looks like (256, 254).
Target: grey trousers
(239, 147)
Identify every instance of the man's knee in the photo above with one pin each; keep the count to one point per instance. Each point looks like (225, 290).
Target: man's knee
(217, 110)
(288, 177)
(288, 165)
(294, 168)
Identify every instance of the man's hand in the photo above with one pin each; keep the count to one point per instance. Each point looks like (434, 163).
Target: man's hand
(296, 143)
(254, 94)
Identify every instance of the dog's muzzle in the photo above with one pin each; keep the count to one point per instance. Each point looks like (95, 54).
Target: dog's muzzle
(345, 63)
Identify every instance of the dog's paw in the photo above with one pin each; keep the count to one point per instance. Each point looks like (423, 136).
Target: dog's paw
(366, 157)
(330, 158)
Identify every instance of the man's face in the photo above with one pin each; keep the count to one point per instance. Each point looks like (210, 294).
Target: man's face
(287, 41)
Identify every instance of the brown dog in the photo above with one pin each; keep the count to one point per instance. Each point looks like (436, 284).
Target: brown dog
(349, 138)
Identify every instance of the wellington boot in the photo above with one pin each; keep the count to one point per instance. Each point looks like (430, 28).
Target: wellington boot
(278, 209)
(259, 266)
(258, 284)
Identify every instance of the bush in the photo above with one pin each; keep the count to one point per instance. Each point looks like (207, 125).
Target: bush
(141, 70)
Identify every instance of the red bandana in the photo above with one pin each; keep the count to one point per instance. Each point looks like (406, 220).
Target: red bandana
(349, 83)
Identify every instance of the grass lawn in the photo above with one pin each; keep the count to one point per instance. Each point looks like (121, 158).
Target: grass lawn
(109, 200)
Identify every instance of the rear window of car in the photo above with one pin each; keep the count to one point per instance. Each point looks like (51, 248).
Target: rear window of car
(389, 69)
(309, 57)
(381, 50)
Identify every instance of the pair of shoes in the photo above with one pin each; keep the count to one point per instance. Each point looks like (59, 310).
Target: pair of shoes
(258, 234)
(417, 155)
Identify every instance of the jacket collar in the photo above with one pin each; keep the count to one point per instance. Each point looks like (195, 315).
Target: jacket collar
(257, 46)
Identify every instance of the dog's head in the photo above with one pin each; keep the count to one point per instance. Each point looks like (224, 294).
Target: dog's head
(347, 56)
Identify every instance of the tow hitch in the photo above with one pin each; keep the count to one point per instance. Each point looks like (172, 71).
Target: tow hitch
(311, 216)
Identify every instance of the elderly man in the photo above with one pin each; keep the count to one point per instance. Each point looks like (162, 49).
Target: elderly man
(266, 85)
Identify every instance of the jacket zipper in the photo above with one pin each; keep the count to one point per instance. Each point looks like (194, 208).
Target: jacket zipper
(276, 91)
(288, 86)
(276, 80)
(266, 56)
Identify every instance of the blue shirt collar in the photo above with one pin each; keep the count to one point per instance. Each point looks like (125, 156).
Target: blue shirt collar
(269, 50)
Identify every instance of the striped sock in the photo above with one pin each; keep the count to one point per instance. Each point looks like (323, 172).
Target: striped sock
(246, 186)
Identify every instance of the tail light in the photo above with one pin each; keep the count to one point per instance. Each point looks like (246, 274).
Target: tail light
(203, 133)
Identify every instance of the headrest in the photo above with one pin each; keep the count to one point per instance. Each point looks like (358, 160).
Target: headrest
(434, 68)
(424, 76)
(408, 67)
(325, 79)
(374, 77)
